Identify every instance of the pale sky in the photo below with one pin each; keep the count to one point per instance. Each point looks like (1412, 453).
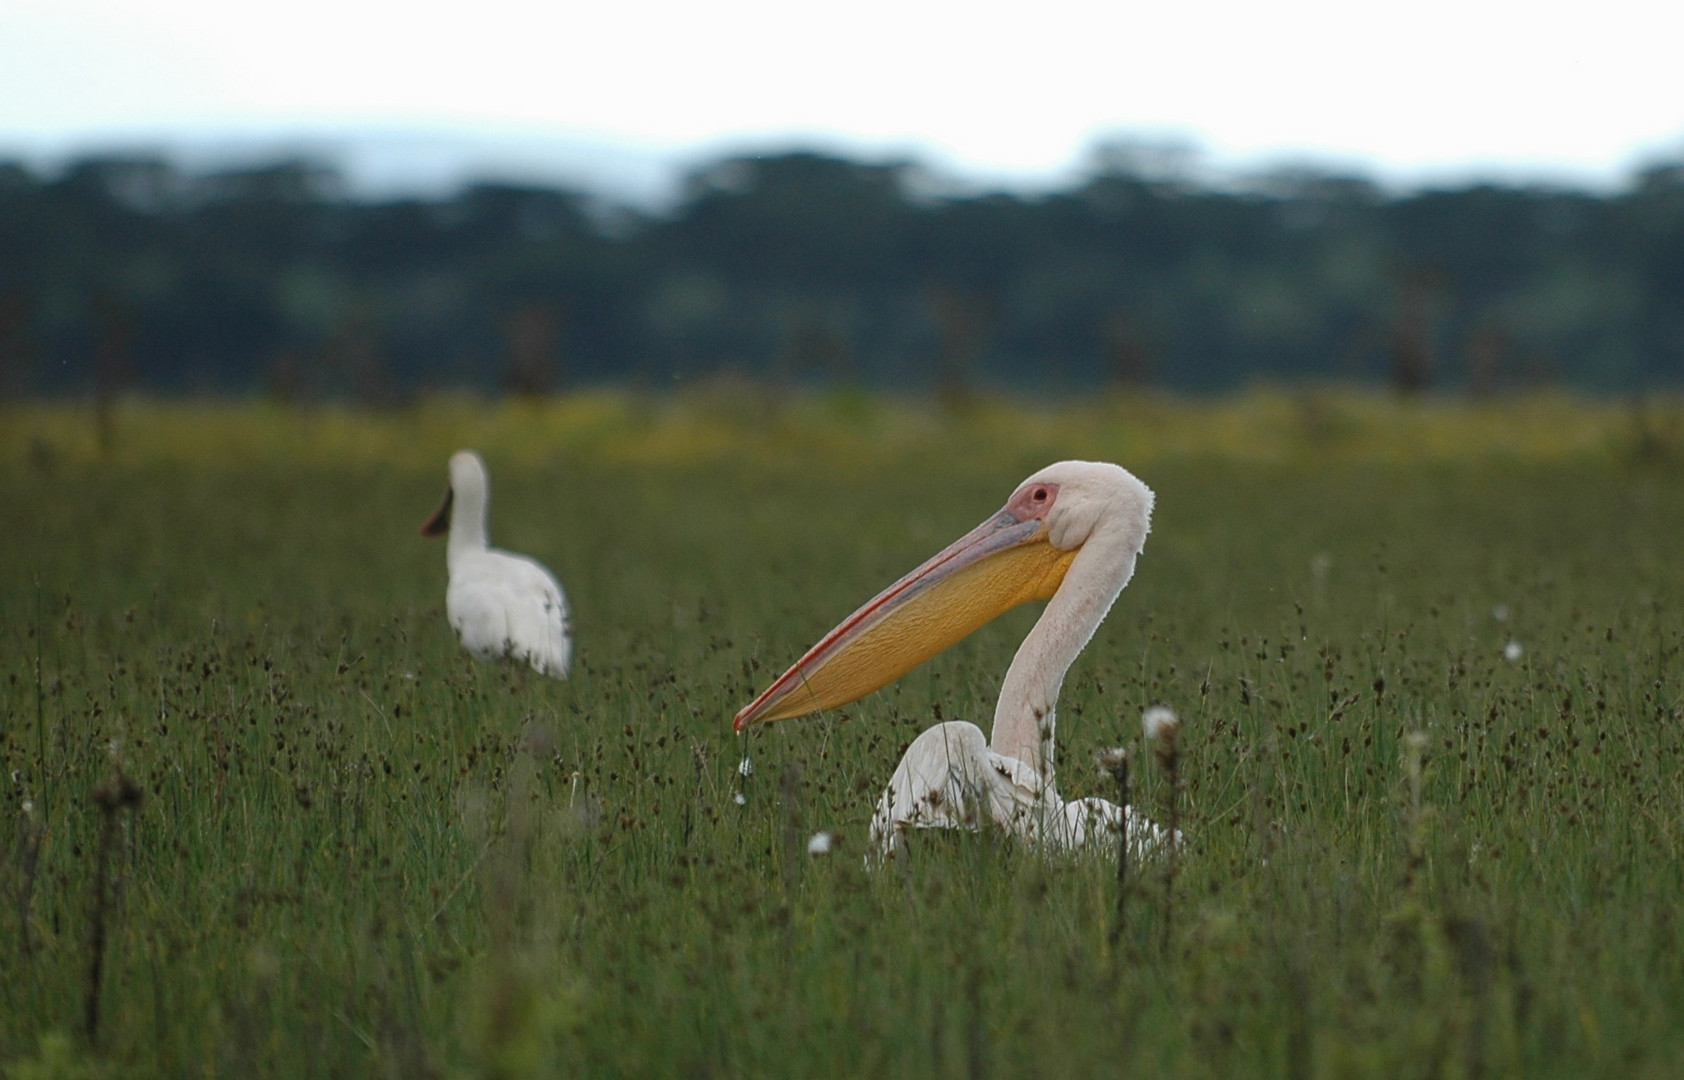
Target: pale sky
(1429, 89)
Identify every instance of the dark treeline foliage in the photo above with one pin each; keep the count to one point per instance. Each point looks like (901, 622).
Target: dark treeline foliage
(801, 267)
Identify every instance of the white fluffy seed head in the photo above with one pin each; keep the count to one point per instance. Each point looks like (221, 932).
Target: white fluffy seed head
(1512, 652)
(819, 843)
(1159, 724)
(1112, 759)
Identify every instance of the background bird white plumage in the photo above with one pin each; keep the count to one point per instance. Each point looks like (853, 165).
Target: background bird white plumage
(500, 604)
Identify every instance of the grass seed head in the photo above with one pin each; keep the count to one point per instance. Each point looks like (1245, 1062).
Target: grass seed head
(117, 793)
(1159, 725)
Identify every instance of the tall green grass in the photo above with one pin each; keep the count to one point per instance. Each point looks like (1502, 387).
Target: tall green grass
(358, 852)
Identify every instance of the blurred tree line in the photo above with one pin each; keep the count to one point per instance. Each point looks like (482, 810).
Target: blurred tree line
(805, 268)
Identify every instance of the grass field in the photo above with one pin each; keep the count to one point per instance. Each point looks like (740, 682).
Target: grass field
(1426, 656)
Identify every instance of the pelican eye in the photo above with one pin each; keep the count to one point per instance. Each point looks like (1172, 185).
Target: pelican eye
(1040, 494)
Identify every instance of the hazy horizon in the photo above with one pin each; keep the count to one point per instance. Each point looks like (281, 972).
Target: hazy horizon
(624, 96)
(431, 161)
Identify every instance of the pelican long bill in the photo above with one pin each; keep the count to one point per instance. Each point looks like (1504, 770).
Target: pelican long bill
(1004, 562)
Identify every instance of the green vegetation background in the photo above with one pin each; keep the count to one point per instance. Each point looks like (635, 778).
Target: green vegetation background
(1145, 269)
(356, 852)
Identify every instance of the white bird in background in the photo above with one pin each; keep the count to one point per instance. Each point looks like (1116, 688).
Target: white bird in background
(1071, 532)
(500, 604)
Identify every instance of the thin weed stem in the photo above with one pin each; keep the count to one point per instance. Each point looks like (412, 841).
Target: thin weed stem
(1115, 761)
(1169, 756)
(40, 709)
(115, 795)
